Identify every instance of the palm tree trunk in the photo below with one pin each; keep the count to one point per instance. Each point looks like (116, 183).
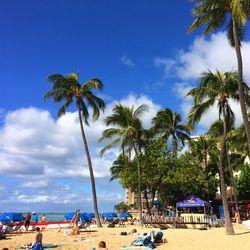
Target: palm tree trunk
(139, 185)
(175, 146)
(228, 224)
(235, 191)
(91, 173)
(240, 85)
(206, 173)
(146, 198)
(152, 194)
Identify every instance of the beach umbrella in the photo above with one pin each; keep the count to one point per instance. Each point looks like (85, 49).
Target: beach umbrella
(10, 217)
(90, 215)
(110, 215)
(125, 215)
(83, 217)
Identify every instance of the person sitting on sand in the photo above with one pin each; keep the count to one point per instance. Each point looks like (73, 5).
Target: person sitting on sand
(38, 240)
(75, 220)
(102, 245)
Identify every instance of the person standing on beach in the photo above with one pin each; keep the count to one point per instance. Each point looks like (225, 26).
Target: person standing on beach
(75, 220)
(34, 217)
(43, 219)
(27, 221)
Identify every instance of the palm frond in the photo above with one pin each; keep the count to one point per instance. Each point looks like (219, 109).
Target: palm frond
(141, 110)
(93, 84)
(197, 111)
(109, 146)
(240, 29)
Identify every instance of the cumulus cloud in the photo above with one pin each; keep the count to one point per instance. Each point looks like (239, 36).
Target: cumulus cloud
(125, 60)
(204, 54)
(44, 157)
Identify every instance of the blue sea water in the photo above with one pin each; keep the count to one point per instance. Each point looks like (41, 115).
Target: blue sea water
(54, 216)
(51, 216)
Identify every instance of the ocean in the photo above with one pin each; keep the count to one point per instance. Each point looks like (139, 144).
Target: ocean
(51, 216)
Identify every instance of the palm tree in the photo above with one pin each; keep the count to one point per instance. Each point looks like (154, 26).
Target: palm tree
(68, 89)
(201, 148)
(168, 124)
(213, 14)
(126, 133)
(216, 88)
(239, 140)
(216, 131)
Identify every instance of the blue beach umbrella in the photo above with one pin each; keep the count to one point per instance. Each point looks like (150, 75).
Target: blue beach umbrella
(83, 217)
(10, 217)
(125, 215)
(109, 215)
(90, 215)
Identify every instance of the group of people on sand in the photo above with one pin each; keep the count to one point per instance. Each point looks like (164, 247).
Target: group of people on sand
(33, 218)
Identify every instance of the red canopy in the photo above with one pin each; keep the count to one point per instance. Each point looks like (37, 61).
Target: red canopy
(248, 206)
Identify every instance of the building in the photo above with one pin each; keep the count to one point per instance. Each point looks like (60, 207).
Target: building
(131, 198)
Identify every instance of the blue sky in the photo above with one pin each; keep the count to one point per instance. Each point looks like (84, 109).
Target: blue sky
(139, 49)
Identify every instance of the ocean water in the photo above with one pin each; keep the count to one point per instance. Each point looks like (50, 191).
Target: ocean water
(51, 216)
(54, 216)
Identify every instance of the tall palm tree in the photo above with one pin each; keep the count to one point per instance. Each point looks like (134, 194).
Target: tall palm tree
(126, 132)
(69, 90)
(216, 88)
(239, 140)
(213, 14)
(216, 131)
(201, 148)
(168, 124)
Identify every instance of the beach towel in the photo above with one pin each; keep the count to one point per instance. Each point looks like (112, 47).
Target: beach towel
(52, 245)
(135, 247)
(45, 246)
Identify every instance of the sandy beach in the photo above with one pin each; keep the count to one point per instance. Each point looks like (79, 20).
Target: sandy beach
(211, 239)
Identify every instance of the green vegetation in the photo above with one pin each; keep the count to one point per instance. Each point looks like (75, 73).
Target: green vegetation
(122, 206)
(243, 182)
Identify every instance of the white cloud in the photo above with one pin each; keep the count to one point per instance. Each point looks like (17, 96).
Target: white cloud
(34, 143)
(205, 53)
(127, 61)
(43, 159)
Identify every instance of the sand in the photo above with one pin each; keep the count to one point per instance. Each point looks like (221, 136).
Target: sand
(211, 239)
